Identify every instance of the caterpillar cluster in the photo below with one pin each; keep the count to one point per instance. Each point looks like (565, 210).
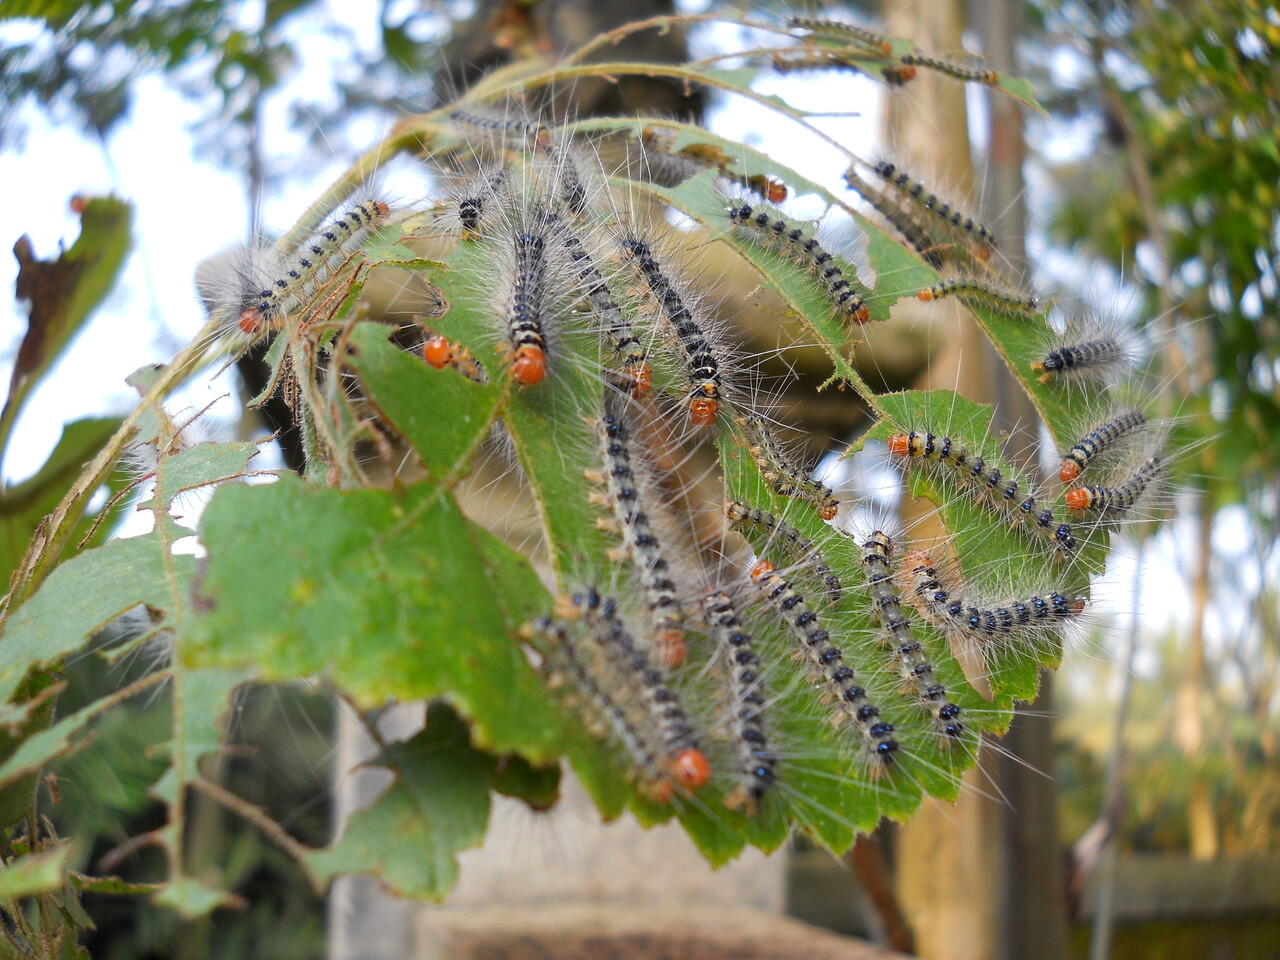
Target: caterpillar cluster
(584, 310)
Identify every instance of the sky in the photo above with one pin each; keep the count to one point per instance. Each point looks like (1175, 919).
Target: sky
(187, 209)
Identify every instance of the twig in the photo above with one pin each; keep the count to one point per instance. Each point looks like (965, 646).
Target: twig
(867, 862)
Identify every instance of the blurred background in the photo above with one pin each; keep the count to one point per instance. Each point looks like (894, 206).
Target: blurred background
(1138, 814)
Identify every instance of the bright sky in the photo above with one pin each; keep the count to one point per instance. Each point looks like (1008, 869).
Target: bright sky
(187, 210)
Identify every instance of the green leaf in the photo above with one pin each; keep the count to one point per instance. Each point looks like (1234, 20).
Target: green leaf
(23, 506)
(391, 594)
(34, 873)
(63, 293)
(438, 805)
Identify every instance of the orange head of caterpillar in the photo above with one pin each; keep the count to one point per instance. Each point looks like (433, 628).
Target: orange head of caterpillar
(691, 768)
(1078, 498)
(899, 445)
(775, 190)
(641, 379)
(761, 569)
(249, 321)
(862, 314)
(926, 295)
(78, 203)
(703, 410)
(529, 366)
(381, 208)
(828, 509)
(1068, 471)
(671, 648)
(437, 351)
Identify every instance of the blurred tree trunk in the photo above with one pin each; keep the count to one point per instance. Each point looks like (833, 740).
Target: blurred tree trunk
(948, 857)
(984, 879)
(1202, 824)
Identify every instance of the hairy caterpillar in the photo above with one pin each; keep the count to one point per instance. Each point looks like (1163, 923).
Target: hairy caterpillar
(701, 362)
(952, 69)
(1000, 622)
(916, 191)
(877, 42)
(1104, 500)
(972, 469)
(440, 352)
(913, 666)
(486, 188)
(296, 280)
(673, 166)
(493, 125)
(567, 664)
(792, 241)
(755, 761)
(913, 233)
(826, 664)
(614, 323)
(974, 291)
(791, 540)
(526, 309)
(1093, 359)
(785, 477)
(1097, 441)
(685, 761)
(640, 543)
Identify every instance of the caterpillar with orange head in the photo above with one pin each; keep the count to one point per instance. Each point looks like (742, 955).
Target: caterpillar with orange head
(660, 161)
(782, 473)
(440, 352)
(280, 291)
(702, 360)
(1012, 622)
(1006, 494)
(793, 243)
(950, 68)
(790, 539)
(625, 497)
(876, 42)
(1105, 501)
(1098, 441)
(1090, 349)
(685, 763)
(976, 292)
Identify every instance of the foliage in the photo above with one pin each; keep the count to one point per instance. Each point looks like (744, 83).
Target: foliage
(391, 588)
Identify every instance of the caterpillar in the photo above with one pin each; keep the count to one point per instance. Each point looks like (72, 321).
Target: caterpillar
(791, 540)
(675, 166)
(566, 664)
(1104, 500)
(877, 42)
(309, 264)
(782, 474)
(951, 69)
(1004, 492)
(913, 233)
(492, 125)
(898, 76)
(826, 60)
(686, 762)
(701, 361)
(826, 664)
(614, 323)
(1098, 440)
(527, 303)
(792, 241)
(1002, 621)
(485, 188)
(913, 666)
(1093, 359)
(640, 543)
(916, 191)
(440, 352)
(756, 762)
(972, 290)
